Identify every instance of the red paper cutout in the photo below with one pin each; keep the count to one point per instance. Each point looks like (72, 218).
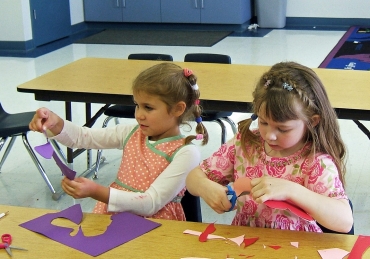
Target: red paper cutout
(361, 245)
(275, 247)
(250, 241)
(283, 205)
(209, 230)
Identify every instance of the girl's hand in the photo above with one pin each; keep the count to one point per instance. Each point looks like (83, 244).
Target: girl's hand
(44, 119)
(215, 196)
(270, 188)
(79, 188)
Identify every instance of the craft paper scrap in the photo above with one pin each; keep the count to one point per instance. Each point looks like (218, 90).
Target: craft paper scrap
(197, 233)
(361, 245)
(69, 173)
(238, 240)
(295, 244)
(283, 205)
(124, 227)
(209, 230)
(333, 253)
(250, 241)
(274, 247)
(48, 152)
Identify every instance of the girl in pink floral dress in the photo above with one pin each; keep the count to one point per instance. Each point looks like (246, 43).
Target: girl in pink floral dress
(295, 155)
(156, 157)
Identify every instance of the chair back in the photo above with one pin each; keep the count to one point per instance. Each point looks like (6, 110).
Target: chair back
(150, 56)
(207, 58)
(191, 206)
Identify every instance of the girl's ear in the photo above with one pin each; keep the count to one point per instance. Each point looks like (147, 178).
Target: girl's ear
(179, 109)
(315, 119)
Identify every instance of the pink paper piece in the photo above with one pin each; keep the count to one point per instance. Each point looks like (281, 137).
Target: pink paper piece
(124, 227)
(283, 205)
(45, 150)
(333, 253)
(238, 240)
(197, 233)
(242, 184)
(295, 244)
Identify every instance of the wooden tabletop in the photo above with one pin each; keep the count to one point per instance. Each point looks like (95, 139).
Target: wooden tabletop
(102, 79)
(168, 240)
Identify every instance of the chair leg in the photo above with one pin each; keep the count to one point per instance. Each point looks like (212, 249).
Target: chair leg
(55, 195)
(100, 151)
(7, 150)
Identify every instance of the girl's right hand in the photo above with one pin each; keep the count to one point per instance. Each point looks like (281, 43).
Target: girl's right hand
(44, 119)
(215, 196)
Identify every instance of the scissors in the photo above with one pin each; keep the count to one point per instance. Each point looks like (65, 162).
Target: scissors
(6, 240)
(234, 197)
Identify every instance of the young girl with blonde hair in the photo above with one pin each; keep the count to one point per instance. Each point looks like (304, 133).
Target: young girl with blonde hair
(156, 157)
(295, 155)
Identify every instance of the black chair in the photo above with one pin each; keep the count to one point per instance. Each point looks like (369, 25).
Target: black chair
(117, 111)
(191, 206)
(12, 126)
(209, 115)
(351, 232)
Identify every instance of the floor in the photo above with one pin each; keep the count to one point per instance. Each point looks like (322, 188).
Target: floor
(21, 184)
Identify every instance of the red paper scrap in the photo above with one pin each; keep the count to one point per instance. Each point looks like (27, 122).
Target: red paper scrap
(209, 230)
(361, 245)
(275, 247)
(250, 241)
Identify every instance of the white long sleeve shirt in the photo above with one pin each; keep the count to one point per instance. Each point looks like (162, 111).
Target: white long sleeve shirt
(167, 185)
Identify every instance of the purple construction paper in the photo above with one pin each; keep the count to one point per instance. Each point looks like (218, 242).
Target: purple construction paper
(45, 150)
(68, 172)
(124, 227)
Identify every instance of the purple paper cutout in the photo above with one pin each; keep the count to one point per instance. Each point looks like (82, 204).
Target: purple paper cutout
(47, 152)
(69, 173)
(124, 227)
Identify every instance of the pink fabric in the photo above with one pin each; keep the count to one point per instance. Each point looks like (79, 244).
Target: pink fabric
(229, 163)
(141, 164)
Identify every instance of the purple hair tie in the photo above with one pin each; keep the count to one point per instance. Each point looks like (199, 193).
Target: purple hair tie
(199, 137)
(198, 119)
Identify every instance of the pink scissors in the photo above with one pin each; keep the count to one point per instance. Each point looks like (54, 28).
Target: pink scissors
(6, 240)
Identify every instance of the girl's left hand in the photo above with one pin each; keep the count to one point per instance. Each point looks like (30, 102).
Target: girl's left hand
(270, 188)
(78, 188)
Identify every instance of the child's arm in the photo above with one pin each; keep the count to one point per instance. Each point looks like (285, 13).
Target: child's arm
(332, 213)
(163, 190)
(82, 187)
(212, 193)
(44, 119)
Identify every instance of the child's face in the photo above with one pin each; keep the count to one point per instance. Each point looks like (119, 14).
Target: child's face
(153, 117)
(282, 138)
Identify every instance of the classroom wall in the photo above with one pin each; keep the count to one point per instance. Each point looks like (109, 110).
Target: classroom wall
(15, 20)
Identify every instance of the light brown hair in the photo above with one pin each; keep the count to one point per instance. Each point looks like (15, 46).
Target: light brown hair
(168, 82)
(280, 104)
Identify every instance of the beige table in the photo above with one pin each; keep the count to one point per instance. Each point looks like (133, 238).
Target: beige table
(168, 240)
(222, 86)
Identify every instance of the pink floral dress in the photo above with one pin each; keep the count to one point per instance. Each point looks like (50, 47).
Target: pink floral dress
(141, 164)
(229, 163)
